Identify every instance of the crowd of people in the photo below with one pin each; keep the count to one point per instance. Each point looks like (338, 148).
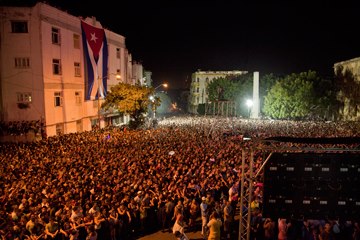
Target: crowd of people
(17, 128)
(121, 184)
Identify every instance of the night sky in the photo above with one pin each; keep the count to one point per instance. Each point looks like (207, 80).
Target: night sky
(175, 38)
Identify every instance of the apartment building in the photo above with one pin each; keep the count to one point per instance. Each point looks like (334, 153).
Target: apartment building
(44, 69)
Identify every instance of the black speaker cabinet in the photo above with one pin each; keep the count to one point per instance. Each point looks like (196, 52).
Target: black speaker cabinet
(312, 185)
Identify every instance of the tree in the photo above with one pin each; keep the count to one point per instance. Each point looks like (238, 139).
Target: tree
(266, 82)
(326, 103)
(291, 97)
(129, 99)
(243, 85)
(348, 93)
(221, 89)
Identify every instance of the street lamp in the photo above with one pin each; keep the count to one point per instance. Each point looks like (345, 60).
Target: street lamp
(99, 97)
(154, 100)
(249, 104)
(162, 85)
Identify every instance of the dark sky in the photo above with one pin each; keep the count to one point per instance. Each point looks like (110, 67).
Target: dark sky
(175, 38)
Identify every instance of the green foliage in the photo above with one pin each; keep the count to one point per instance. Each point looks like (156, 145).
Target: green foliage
(221, 89)
(265, 84)
(129, 99)
(326, 105)
(244, 90)
(137, 117)
(201, 109)
(126, 98)
(236, 88)
(291, 97)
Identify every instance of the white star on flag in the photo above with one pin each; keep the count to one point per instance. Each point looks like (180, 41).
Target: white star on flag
(93, 37)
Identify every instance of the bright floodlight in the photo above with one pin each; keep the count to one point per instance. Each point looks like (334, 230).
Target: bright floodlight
(152, 98)
(249, 103)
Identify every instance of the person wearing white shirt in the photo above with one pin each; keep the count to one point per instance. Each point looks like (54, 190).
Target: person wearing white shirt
(204, 215)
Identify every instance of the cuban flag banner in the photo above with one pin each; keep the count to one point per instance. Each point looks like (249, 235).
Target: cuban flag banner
(96, 61)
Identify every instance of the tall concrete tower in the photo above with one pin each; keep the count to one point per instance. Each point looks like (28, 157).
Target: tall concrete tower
(255, 111)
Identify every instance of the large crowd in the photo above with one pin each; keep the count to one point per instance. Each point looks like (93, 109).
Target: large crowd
(16, 128)
(121, 184)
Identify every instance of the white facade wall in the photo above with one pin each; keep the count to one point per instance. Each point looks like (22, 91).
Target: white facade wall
(129, 67)
(73, 115)
(137, 73)
(116, 61)
(20, 80)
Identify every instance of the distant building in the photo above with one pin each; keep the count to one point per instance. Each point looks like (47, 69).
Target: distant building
(353, 65)
(148, 78)
(199, 82)
(42, 69)
(351, 102)
(137, 73)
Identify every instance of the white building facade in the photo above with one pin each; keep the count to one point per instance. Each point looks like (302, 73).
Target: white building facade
(42, 75)
(198, 88)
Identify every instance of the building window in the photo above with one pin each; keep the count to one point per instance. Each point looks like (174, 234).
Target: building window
(59, 128)
(197, 90)
(76, 41)
(198, 80)
(19, 27)
(77, 69)
(78, 98)
(56, 67)
(118, 74)
(58, 99)
(24, 97)
(55, 36)
(118, 53)
(22, 62)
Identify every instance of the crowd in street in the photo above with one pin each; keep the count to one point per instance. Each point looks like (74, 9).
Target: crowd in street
(16, 128)
(121, 184)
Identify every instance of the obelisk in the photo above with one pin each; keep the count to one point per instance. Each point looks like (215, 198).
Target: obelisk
(255, 111)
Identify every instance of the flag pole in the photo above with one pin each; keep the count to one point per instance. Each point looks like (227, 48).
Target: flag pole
(98, 93)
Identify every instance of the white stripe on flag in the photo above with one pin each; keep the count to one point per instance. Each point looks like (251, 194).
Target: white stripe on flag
(98, 74)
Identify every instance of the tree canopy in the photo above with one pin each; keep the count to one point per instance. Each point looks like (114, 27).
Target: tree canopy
(239, 88)
(291, 97)
(129, 99)
(221, 89)
(126, 97)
